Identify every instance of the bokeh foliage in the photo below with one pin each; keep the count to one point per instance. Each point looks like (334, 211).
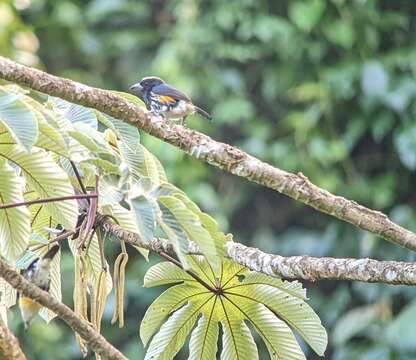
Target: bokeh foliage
(323, 87)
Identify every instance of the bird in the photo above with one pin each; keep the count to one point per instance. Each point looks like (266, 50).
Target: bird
(38, 273)
(165, 100)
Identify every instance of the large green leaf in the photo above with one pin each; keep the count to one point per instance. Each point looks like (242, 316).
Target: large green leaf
(172, 335)
(14, 222)
(192, 225)
(19, 119)
(169, 301)
(45, 177)
(145, 217)
(175, 234)
(228, 300)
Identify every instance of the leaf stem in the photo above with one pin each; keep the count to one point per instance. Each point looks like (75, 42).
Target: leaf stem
(52, 199)
(195, 276)
(78, 176)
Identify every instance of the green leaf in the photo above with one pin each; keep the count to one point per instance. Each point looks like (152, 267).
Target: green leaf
(400, 332)
(175, 234)
(169, 301)
(353, 322)
(19, 119)
(14, 222)
(73, 112)
(107, 167)
(233, 298)
(165, 273)
(45, 177)
(128, 134)
(129, 97)
(306, 14)
(279, 339)
(292, 310)
(145, 217)
(194, 229)
(173, 333)
(237, 341)
(49, 138)
(203, 343)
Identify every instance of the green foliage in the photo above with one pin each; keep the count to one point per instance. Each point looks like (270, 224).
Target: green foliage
(235, 296)
(135, 192)
(328, 86)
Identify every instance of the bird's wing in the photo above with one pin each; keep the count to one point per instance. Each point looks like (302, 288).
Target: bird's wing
(169, 94)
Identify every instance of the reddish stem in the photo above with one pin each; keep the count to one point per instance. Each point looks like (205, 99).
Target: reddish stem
(52, 199)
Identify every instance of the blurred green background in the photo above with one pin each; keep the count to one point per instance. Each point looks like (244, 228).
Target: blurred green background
(323, 87)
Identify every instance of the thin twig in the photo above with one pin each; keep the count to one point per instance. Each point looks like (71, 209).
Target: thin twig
(48, 200)
(78, 176)
(61, 237)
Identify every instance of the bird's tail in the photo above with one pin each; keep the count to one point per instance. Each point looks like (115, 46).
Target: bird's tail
(51, 252)
(203, 113)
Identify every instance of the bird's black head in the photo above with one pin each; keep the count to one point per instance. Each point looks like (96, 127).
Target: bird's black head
(146, 84)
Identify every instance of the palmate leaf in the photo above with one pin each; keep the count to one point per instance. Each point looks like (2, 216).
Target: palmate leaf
(273, 307)
(18, 118)
(45, 177)
(14, 222)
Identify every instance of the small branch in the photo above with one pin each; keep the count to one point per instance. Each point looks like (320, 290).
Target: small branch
(95, 340)
(293, 267)
(9, 345)
(297, 186)
(52, 199)
(61, 237)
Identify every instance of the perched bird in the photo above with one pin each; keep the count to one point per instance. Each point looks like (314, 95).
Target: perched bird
(164, 100)
(38, 273)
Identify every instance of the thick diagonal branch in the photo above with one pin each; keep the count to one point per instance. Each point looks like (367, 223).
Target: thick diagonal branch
(222, 155)
(293, 267)
(9, 345)
(96, 341)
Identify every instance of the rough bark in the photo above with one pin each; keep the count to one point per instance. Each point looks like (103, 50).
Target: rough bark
(95, 341)
(9, 345)
(293, 267)
(224, 156)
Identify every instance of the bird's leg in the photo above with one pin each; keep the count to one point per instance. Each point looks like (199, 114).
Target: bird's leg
(183, 121)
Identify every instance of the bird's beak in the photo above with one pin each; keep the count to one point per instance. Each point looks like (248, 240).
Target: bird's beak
(136, 87)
